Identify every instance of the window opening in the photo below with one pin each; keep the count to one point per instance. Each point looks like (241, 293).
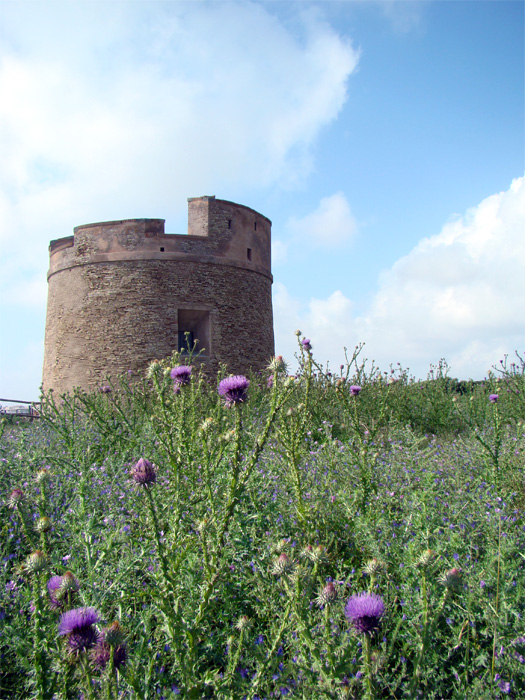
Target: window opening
(255, 226)
(162, 250)
(249, 254)
(229, 223)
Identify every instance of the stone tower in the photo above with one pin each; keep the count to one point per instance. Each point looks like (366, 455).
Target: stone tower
(122, 293)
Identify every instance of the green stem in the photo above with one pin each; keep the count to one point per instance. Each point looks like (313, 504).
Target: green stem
(369, 687)
(271, 653)
(25, 527)
(428, 629)
(87, 672)
(235, 659)
(328, 640)
(493, 663)
(38, 641)
(160, 549)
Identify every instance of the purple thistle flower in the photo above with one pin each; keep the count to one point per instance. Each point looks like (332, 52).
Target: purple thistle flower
(354, 390)
(364, 611)
(234, 389)
(101, 655)
(143, 472)
(110, 637)
(493, 398)
(181, 375)
(60, 588)
(77, 624)
(307, 345)
(106, 389)
(53, 588)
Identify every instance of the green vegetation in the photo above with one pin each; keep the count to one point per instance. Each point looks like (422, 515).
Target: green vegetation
(221, 565)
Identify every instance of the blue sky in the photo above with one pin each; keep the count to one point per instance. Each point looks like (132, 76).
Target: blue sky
(385, 141)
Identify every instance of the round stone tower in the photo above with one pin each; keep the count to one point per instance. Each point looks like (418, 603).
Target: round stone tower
(122, 293)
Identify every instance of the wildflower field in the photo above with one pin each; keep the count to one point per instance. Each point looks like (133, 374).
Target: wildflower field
(344, 534)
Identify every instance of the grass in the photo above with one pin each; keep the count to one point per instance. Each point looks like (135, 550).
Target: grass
(228, 574)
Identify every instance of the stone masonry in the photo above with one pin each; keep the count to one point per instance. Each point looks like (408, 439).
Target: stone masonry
(122, 293)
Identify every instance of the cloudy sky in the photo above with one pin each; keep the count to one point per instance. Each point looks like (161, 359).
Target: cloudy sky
(385, 141)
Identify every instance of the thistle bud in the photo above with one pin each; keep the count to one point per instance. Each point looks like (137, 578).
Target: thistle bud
(143, 472)
(426, 558)
(42, 476)
(36, 562)
(281, 545)
(154, 369)
(307, 551)
(283, 565)
(319, 554)
(328, 594)
(300, 574)
(277, 365)
(16, 498)
(202, 525)
(242, 623)
(228, 436)
(114, 634)
(452, 580)
(206, 425)
(373, 565)
(43, 524)
(69, 583)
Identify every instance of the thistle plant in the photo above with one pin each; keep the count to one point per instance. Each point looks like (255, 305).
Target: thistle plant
(238, 545)
(17, 502)
(364, 612)
(483, 416)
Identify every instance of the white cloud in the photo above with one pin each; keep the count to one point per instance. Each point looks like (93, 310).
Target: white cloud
(121, 110)
(327, 322)
(403, 16)
(332, 224)
(279, 252)
(458, 294)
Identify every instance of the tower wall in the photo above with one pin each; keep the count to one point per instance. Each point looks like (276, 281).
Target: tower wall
(121, 293)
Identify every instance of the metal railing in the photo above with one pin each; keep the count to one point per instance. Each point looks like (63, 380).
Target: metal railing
(21, 409)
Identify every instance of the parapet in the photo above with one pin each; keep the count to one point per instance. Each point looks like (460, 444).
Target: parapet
(219, 232)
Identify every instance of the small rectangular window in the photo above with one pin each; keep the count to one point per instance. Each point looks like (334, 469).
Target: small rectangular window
(249, 254)
(162, 250)
(229, 223)
(255, 226)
